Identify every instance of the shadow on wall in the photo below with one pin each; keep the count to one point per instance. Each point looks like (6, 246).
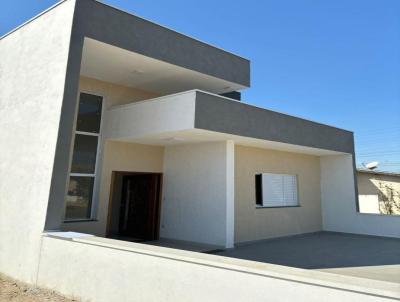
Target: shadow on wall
(321, 250)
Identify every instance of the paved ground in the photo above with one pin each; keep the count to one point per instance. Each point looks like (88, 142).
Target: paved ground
(362, 256)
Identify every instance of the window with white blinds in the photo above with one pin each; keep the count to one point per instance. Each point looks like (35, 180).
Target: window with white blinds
(276, 190)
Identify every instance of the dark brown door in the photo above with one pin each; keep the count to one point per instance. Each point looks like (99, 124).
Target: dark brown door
(139, 212)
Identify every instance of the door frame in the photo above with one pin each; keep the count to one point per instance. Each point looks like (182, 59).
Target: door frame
(159, 187)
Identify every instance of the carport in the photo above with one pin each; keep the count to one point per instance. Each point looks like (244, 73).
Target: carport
(370, 257)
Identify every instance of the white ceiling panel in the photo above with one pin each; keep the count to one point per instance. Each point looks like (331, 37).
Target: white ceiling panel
(116, 65)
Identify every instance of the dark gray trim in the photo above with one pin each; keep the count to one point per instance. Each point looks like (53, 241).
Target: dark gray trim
(56, 204)
(276, 207)
(236, 95)
(80, 220)
(220, 114)
(355, 183)
(112, 26)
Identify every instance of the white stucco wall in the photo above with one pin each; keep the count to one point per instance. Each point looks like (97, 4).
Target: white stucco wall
(198, 195)
(32, 72)
(339, 212)
(151, 117)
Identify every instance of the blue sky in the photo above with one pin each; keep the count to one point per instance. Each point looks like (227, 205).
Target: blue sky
(332, 61)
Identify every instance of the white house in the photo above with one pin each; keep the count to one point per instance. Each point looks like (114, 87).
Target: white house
(117, 127)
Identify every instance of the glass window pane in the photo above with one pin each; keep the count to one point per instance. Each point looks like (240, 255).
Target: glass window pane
(79, 197)
(84, 156)
(89, 113)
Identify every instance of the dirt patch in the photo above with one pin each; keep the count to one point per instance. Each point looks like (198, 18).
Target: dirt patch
(14, 291)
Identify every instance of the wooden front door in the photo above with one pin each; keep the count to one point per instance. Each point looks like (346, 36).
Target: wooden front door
(140, 206)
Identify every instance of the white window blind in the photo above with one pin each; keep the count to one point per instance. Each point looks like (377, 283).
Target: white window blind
(279, 190)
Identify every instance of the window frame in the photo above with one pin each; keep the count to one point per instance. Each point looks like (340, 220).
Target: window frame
(97, 152)
(95, 175)
(258, 192)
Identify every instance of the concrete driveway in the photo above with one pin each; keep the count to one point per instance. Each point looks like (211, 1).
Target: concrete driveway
(356, 255)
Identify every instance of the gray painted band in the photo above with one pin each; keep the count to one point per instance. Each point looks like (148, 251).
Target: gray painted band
(56, 204)
(219, 114)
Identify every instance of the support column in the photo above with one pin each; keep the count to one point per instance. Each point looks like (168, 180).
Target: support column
(230, 194)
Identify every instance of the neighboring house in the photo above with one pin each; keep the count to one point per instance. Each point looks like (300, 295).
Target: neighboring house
(114, 126)
(378, 192)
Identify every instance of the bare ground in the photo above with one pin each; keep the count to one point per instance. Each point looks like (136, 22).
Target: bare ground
(14, 291)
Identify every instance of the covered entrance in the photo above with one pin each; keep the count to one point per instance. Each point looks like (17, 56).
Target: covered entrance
(134, 210)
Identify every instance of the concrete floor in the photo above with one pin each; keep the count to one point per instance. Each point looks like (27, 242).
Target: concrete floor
(356, 255)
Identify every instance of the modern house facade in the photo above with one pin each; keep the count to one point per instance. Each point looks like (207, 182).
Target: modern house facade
(113, 126)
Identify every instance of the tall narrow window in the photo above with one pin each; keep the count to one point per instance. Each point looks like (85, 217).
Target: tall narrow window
(83, 168)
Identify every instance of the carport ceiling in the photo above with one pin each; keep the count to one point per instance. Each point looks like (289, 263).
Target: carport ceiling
(190, 136)
(116, 65)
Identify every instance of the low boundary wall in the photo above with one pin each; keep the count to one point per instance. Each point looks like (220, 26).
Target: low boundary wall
(99, 269)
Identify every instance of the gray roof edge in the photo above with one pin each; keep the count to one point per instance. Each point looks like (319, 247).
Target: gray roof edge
(173, 30)
(274, 111)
